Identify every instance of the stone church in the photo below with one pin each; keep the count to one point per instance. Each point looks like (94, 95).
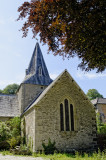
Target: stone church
(57, 110)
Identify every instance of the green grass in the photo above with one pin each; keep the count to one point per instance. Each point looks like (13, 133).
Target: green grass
(59, 156)
(5, 153)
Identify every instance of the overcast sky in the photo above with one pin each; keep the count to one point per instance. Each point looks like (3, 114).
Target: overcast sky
(16, 52)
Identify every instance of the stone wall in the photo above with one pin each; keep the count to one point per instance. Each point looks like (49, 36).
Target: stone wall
(28, 128)
(27, 93)
(3, 119)
(47, 118)
(9, 106)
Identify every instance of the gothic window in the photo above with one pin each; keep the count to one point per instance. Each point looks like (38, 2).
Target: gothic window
(72, 117)
(40, 71)
(61, 117)
(66, 116)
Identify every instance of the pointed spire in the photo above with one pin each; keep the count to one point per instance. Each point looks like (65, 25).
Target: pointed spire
(37, 72)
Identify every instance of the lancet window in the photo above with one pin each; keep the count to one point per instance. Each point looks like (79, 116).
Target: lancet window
(66, 116)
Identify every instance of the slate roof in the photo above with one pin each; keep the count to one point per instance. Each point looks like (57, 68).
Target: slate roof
(98, 101)
(9, 106)
(37, 72)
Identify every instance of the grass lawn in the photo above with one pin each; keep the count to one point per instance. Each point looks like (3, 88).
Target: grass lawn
(95, 156)
(59, 156)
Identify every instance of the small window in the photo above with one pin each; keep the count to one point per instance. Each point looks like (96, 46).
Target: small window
(40, 71)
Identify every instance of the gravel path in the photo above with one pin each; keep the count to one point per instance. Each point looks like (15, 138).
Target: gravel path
(8, 157)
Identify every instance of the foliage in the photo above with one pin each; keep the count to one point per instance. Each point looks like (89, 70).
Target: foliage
(1, 91)
(4, 131)
(15, 126)
(93, 93)
(10, 133)
(21, 150)
(10, 89)
(77, 156)
(101, 127)
(49, 148)
(4, 135)
(14, 141)
(5, 152)
(101, 133)
(70, 28)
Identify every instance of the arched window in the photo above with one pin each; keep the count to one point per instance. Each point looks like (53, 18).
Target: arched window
(66, 116)
(61, 117)
(72, 117)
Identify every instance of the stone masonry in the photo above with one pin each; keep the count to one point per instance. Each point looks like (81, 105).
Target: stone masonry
(47, 118)
(45, 106)
(8, 107)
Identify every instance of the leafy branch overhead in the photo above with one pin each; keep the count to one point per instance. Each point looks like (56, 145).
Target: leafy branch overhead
(70, 28)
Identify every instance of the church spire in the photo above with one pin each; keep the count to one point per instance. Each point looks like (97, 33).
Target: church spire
(37, 72)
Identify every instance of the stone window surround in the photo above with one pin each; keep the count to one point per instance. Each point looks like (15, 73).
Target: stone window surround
(74, 114)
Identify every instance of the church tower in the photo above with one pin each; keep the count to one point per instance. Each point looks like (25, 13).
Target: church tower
(36, 80)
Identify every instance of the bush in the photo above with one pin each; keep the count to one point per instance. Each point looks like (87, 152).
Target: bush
(102, 129)
(101, 133)
(4, 132)
(13, 142)
(50, 148)
(10, 133)
(4, 145)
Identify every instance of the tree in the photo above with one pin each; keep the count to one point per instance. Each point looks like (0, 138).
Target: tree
(10, 89)
(70, 28)
(0, 91)
(93, 93)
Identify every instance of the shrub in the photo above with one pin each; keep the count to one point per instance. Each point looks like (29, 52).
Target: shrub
(4, 145)
(15, 126)
(101, 133)
(4, 131)
(49, 148)
(10, 133)
(14, 141)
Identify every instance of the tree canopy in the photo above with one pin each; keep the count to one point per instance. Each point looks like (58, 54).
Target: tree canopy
(10, 89)
(93, 93)
(0, 91)
(70, 28)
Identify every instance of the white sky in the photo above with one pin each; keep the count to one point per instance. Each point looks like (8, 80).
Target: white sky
(15, 54)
